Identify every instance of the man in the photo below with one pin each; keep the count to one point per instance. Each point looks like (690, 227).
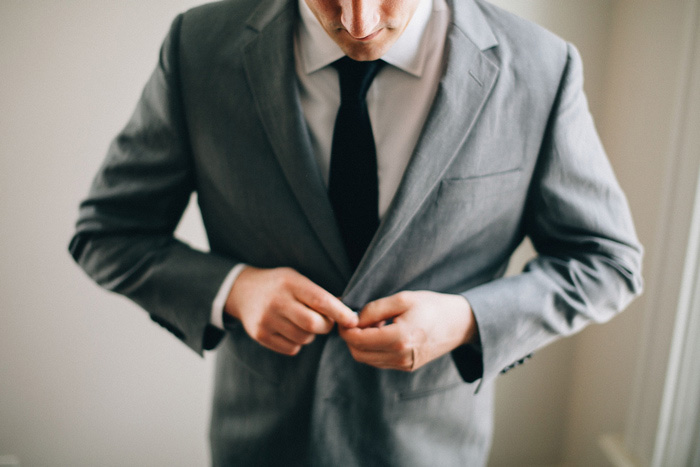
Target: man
(480, 135)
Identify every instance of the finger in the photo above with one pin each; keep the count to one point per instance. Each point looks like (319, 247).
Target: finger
(308, 320)
(293, 333)
(388, 338)
(384, 309)
(323, 302)
(282, 345)
(403, 360)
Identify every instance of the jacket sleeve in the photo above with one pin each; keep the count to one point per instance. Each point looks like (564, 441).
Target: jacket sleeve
(588, 266)
(124, 234)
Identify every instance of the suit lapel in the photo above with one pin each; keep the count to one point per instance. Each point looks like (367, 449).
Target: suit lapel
(467, 81)
(269, 64)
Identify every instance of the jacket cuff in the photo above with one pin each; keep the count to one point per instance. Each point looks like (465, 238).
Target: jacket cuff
(469, 361)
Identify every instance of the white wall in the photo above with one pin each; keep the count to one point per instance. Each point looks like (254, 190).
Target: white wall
(87, 379)
(642, 94)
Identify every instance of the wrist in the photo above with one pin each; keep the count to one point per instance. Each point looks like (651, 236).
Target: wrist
(230, 310)
(219, 304)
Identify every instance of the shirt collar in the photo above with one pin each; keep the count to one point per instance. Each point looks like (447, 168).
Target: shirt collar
(317, 50)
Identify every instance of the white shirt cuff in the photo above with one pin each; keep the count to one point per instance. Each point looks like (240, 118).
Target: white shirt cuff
(217, 308)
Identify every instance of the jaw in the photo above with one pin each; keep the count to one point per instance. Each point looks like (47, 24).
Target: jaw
(372, 48)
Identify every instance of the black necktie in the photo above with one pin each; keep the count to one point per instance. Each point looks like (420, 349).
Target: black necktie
(353, 187)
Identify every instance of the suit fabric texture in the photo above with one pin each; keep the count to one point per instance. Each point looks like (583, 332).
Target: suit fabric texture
(509, 150)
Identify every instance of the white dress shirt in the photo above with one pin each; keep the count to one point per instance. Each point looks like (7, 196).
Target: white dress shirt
(398, 100)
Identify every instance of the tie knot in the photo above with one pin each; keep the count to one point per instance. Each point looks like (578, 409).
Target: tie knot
(356, 77)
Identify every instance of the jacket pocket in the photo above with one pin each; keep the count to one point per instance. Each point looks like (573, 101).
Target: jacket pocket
(477, 191)
(436, 377)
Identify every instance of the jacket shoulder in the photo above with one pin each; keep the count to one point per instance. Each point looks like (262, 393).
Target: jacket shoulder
(522, 43)
(212, 21)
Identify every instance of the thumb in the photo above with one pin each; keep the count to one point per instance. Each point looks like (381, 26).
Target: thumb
(385, 309)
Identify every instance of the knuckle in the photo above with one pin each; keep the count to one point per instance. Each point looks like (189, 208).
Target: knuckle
(260, 335)
(266, 321)
(285, 276)
(318, 302)
(325, 327)
(309, 338)
(404, 299)
(307, 322)
(277, 302)
(402, 346)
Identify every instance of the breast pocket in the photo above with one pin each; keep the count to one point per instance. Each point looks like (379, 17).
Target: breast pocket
(481, 192)
(475, 221)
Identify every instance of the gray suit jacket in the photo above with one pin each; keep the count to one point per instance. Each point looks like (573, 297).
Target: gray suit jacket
(509, 150)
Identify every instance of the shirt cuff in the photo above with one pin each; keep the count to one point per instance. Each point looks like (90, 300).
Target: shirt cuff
(217, 308)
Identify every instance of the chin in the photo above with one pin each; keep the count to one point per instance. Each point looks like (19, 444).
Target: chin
(364, 52)
(373, 49)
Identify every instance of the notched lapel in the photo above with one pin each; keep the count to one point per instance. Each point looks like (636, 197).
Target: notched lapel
(269, 64)
(463, 91)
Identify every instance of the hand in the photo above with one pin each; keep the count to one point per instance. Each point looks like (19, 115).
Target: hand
(423, 326)
(283, 310)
